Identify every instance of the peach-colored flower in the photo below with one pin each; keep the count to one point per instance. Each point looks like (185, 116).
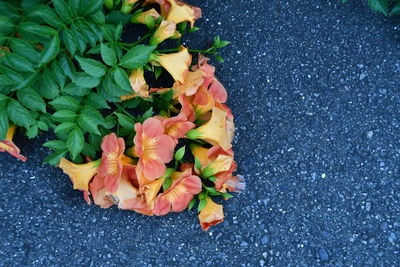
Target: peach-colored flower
(178, 196)
(153, 147)
(187, 107)
(214, 131)
(166, 30)
(203, 101)
(193, 80)
(8, 145)
(177, 64)
(151, 190)
(99, 193)
(176, 127)
(211, 214)
(143, 17)
(113, 160)
(80, 174)
(126, 191)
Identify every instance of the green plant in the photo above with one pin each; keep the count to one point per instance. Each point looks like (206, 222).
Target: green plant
(386, 7)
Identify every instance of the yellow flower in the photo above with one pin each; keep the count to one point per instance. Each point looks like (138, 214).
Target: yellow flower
(143, 17)
(177, 64)
(138, 84)
(220, 164)
(214, 131)
(151, 190)
(80, 174)
(180, 12)
(193, 80)
(164, 31)
(211, 214)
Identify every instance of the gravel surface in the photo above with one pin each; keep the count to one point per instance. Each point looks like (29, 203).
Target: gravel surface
(314, 86)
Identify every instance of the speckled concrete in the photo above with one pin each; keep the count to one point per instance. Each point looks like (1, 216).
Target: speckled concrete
(314, 86)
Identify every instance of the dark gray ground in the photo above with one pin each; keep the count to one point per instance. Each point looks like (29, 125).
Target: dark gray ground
(314, 86)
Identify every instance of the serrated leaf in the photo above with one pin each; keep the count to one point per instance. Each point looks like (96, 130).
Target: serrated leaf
(6, 25)
(56, 145)
(147, 114)
(91, 66)
(86, 81)
(136, 57)
(75, 142)
(19, 63)
(70, 40)
(31, 99)
(64, 127)
(125, 121)
(122, 80)
(18, 114)
(67, 65)
(64, 116)
(24, 49)
(108, 55)
(379, 6)
(46, 14)
(89, 150)
(65, 102)
(96, 101)
(47, 87)
(32, 28)
(58, 73)
(63, 10)
(51, 50)
(42, 126)
(54, 159)
(88, 124)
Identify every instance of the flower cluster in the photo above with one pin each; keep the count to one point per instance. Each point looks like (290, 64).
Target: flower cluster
(121, 140)
(178, 157)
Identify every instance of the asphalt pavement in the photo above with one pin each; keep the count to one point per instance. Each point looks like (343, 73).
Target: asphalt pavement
(314, 86)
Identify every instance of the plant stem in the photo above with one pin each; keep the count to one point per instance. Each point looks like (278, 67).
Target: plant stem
(121, 108)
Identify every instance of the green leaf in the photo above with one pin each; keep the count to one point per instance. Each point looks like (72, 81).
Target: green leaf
(3, 101)
(93, 6)
(3, 123)
(136, 57)
(19, 63)
(395, 10)
(75, 142)
(125, 121)
(379, 6)
(89, 124)
(70, 40)
(180, 153)
(147, 114)
(89, 150)
(65, 127)
(96, 101)
(75, 90)
(109, 122)
(64, 116)
(48, 88)
(32, 28)
(86, 81)
(51, 50)
(192, 203)
(197, 163)
(63, 10)
(24, 49)
(56, 145)
(67, 65)
(54, 159)
(226, 195)
(122, 80)
(58, 72)
(108, 55)
(32, 131)
(31, 99)
(6, 25)
(46, 14)
(202, 204)
(65, 102)
(42, 126)
(18, 114)
(92, 67)
(167, 183)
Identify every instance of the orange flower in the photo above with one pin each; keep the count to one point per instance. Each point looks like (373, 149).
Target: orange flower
(113, 160)
(80, 174)
(8, 145)
(211, 214)
(193, 80)
(187, 107)
(176, 127)
(164, 31)
(178, 196)
(214, 131)
(143, 17)
(153, 147)
(99, 193)
(126, 191)
(203, 101)
(177, 64)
